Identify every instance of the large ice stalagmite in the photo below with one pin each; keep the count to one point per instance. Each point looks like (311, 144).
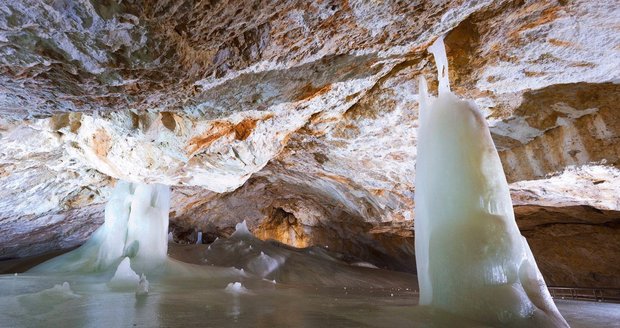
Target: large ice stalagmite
(471, 257)
(136, 226)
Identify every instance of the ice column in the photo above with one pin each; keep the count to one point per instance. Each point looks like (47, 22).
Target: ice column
(471, 257)
(136, 226)
(147, 227)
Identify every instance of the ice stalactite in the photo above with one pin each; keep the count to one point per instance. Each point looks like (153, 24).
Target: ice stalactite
(135, 230)
(471, 257)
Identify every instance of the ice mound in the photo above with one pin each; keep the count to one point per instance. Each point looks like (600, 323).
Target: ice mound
(266, 261)
(62, 291)
(143, 286)
(241, 229)
(263, 264)
(124, 276)
(48, 299)
(471, 257)
(236, 288)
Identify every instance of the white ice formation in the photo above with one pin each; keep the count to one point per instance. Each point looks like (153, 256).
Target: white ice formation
(143, 286)
(241, 229)
(263, 264)
(124, 276)
(236, 288)
(135, 229)
(471, 258)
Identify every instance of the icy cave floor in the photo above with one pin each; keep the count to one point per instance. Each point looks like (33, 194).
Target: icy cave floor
(312, 288)
(190, 303)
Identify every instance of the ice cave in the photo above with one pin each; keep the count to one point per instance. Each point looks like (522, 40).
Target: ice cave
(361, 163)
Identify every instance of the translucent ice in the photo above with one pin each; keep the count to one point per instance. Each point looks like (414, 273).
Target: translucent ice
(143, 286)
(263, 264)
(136, 226)
(471, 257)
(241, 229)
(124, 276)
(46, 300)
(60, 291)
(147, 227)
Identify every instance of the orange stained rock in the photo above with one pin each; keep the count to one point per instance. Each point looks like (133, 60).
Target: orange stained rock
(101, 143)
(241, 130)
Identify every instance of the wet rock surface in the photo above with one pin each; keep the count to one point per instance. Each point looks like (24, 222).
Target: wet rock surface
(300, 118)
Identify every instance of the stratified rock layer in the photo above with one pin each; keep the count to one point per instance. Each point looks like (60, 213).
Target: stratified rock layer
(300, 117)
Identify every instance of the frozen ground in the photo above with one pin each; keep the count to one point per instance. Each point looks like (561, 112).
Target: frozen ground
(312, 289)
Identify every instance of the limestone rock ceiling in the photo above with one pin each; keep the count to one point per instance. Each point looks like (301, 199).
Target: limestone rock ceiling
(299, 116)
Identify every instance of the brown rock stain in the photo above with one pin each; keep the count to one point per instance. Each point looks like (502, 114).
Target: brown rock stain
(241, 131)
(309, 91)
(532, 74)
(218, 129)
(168, 120)
(546, 16)
(244, 128)
(336, 178)
(561, 43)
(101, 143)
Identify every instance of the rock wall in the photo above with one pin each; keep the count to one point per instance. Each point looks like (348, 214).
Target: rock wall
(300, 117)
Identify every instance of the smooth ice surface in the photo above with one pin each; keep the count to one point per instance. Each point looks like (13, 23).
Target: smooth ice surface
(360, 297)
(471, 257)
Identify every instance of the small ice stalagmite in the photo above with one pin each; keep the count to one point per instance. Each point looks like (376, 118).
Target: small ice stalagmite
(471, 257)
(124, 276)
(143, 286)
(136, 226)
(263, 264)
(236, 288)
(241, 229)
